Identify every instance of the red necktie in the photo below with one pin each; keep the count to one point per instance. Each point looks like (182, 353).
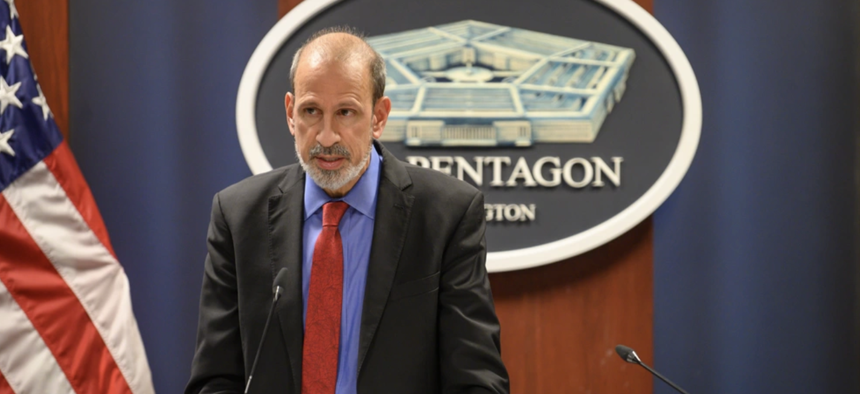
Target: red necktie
(325, 296)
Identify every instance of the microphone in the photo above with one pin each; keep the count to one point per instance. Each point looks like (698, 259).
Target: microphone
(629, 355)
(277, 290)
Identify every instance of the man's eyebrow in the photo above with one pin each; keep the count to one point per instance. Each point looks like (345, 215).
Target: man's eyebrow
(349, 100)
(306, 102)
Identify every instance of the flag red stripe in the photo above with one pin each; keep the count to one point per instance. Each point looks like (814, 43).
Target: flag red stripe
(55, 310)
(4, 386)
(63, 165)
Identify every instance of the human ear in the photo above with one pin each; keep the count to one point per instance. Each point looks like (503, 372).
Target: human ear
(289, 103)
(380, 116)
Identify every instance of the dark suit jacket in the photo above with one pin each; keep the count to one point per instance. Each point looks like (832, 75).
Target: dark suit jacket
(428, 323)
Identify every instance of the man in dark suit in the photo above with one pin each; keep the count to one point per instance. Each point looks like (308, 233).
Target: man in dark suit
(386, 291)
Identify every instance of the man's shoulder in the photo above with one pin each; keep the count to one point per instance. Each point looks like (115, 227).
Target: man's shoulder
(441, 186)
(260, 186)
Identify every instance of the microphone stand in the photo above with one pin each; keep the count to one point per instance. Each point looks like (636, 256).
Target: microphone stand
(277, 291)
(629, 355)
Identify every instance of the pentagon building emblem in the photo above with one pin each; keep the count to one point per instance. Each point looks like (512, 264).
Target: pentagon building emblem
(472, 83)
(575, 119)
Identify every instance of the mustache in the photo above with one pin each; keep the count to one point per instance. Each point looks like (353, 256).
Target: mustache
(334, 150)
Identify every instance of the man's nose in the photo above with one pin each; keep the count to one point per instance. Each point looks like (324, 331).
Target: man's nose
(328, 136)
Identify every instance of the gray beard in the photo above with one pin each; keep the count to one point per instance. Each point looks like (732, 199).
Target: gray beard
(333, 179)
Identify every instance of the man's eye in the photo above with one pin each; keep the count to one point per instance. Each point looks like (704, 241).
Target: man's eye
(346, 112)
(311, 111)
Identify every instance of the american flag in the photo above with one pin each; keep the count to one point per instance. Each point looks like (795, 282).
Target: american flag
(66, 323)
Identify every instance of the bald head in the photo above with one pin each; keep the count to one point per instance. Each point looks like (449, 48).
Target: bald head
(342, 46)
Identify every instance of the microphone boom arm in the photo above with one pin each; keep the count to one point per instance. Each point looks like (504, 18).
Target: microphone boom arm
(629, 355)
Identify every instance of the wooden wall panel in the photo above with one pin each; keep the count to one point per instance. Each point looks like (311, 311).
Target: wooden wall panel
(284, 6)
(46, 31)
(561, 322)
(648, 5)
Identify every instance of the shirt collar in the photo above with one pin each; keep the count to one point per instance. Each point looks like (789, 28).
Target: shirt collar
(362, 196)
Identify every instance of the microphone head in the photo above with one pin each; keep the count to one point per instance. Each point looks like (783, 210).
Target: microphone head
(627, 354)
(280, 282)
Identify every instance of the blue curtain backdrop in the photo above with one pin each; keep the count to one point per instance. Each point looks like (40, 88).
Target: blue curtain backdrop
(755, 259)
(153, 92)
(754, 254)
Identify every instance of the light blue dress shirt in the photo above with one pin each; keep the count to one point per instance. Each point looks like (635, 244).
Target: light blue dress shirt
(356, 231)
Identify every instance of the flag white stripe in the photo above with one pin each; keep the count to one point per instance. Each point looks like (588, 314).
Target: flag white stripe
(27, 363)
(89, 269)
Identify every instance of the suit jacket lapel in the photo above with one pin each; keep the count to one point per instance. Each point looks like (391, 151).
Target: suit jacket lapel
(393, 206)
(285, 229)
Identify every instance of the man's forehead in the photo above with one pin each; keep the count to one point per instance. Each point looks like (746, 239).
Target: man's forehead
(313, 71)
(320, 67)
(320, 59)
